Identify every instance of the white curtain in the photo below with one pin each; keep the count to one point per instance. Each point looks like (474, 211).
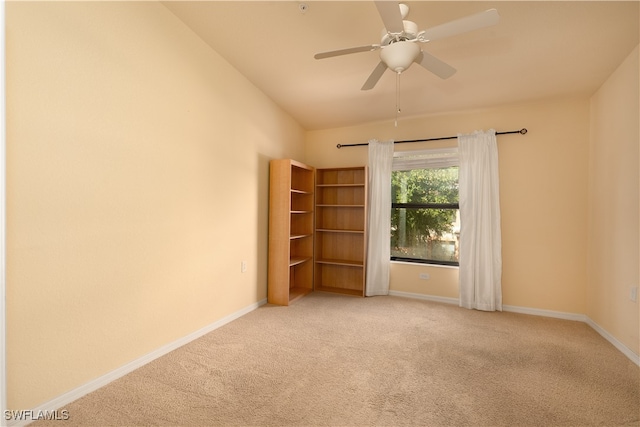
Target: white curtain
(480, 273)
(379, 218)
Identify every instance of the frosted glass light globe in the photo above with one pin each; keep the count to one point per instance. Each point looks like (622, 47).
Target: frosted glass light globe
(399, 56)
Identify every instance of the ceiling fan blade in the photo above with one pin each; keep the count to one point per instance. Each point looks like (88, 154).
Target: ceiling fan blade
(391, 17)
(367, 48)
(375, 76)
(436, 66)
(469, 23)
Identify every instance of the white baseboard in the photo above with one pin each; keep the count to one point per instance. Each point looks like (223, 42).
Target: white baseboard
(66, 398)
(635, 358)
(614, 341)
(446, 300)
(545, 313)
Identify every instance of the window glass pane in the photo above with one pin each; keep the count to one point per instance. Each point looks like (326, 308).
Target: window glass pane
(426, 234)
(418, 231)
(425, 186)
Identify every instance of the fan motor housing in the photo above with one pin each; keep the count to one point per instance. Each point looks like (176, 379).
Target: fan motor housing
(410, 32)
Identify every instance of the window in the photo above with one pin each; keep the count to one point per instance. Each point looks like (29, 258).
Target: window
(425, 218)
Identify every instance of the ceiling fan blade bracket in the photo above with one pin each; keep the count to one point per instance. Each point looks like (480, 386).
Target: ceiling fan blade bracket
(409, 32)
(407, 40)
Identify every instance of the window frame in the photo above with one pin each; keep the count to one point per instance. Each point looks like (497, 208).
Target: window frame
(425, 159)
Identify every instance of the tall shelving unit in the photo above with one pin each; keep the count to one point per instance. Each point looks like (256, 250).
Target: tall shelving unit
(341, 230)
(291, 214)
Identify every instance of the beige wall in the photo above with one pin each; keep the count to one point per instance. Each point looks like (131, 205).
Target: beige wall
(613, 204)
(137, 181)
(543, 193)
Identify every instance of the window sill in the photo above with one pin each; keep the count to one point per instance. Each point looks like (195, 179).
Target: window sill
(422, 264)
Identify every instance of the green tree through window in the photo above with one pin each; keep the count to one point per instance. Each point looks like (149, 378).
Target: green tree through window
(424, 215)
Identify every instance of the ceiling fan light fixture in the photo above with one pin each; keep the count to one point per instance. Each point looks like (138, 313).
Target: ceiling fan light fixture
(399, 56)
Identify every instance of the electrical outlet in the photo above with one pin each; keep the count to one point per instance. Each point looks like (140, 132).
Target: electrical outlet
(633, 293)
(243, 267)
(424, 276)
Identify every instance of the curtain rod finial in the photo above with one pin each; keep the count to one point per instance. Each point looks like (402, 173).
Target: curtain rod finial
(523, 131)
(339, 145)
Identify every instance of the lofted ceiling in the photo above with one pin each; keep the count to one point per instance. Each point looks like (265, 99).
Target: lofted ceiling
(538, 50)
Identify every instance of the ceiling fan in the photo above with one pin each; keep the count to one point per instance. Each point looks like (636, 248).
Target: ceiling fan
(399, 46)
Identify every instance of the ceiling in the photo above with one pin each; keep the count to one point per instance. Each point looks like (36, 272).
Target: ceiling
(538, 50)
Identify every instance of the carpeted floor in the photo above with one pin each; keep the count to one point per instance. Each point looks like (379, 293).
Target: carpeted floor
(331, 360)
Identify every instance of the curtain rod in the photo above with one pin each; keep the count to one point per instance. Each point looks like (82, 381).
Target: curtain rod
(521, 132)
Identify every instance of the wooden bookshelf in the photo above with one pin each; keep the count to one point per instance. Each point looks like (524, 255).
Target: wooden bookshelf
(291, 231)
(341, 230)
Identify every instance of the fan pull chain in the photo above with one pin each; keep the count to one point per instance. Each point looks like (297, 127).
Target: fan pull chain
(397, 96)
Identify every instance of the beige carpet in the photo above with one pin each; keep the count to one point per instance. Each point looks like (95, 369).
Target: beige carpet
(331, 360)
